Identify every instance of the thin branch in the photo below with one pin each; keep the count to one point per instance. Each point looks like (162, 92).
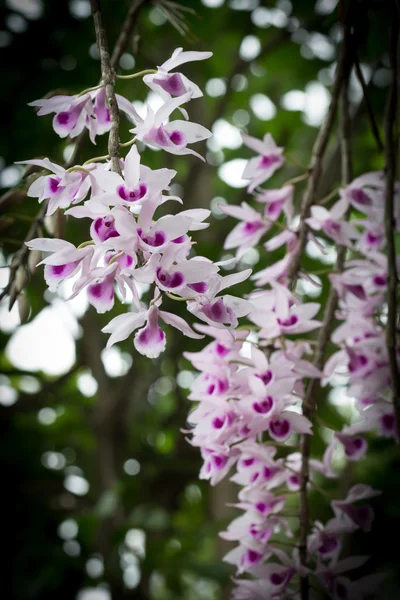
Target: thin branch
(120, 47)
(390, 168)
(20, 259)
(320, 146)
(370, 112)
(309, 401)
(126, 32)
(108, 78)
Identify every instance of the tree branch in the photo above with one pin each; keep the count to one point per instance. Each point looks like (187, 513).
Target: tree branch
(20, 259)
(120, 47)
(370, 112)
(108, 78)
(315, 168)
(309, 401)
(126, 32)
(390, 167)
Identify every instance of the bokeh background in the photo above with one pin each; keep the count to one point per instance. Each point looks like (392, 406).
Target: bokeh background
(74, 416)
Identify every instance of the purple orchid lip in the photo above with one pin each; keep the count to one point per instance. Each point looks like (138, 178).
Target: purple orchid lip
(360, 197)
(253, 556)
(220, 349)
(388, 423)
(201, 287)
(124, 261)
(280, 428)
(357, 362)
(58, 269)
(328, 545)
(168, 280)
(218, 312)
(63, 118)
(69, 118)
(145, 335)
(373, 239)
(247, 462)
(104, 228)
(274, 208)
(268, 160)
(54, 186)
(276, 578)
(177, 138)
(179, 240)
(361, 515)
(353, 447)
(265, 377)
(218, 423)
(172, 84)
(251, 227)
(163, 138)
(357, 290)
(62, 271)
(332, 227)
(265, 507)
(219, 460)
(380, 280)
(97, 290)
(156, 240)
(132, 195)
(264, 406)
(292, 320)
(159, 136)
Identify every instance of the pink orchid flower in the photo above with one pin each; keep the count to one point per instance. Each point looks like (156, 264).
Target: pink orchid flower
(169, 84)
(173, 136)
(263, 166)
(150, 340)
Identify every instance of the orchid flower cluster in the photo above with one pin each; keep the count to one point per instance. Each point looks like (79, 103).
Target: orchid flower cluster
(128, 246)
(361, 288)
(253, 377)
(252, 383)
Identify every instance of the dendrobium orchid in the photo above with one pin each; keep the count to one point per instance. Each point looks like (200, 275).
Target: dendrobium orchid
(175, 84)
(249, 399)
(250, 395)
(74, 113)
(263, 166)
(61, 188)
(171, 136)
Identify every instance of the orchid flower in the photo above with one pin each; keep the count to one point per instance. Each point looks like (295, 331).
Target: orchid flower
(173, 136)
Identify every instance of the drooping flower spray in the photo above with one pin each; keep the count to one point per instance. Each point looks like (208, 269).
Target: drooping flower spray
(256, 389)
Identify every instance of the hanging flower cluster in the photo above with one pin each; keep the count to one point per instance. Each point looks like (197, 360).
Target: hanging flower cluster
(362, 289)
(128, 245)
(251, 387)
(253, 379)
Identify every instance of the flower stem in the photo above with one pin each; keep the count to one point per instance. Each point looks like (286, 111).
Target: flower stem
(96, 159)
(139, 74)
(108, 77)
(91, 89)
